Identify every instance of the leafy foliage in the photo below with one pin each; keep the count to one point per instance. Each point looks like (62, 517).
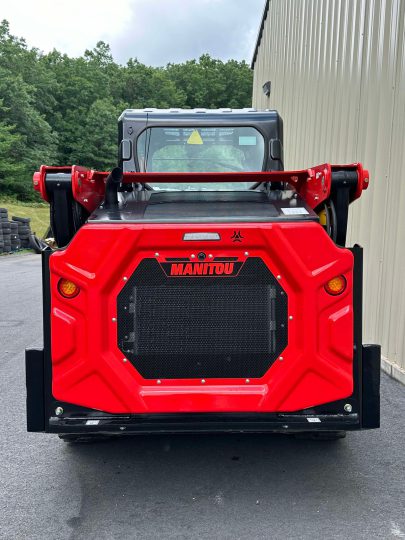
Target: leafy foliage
(60, 110)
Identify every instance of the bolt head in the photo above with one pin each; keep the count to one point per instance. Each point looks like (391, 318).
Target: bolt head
(202, 381)
(246, 254)
(114, 319)
(210, 256)
(281, 358)
(192, 256)
(279, 277)
(59, 411)
(247, 381)
(156, 254)
(348, 408)
(125, 278)
(291, 317)
(125, 360)
(158, 381)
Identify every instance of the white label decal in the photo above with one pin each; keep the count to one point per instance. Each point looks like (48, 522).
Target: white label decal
(92, 422)
(294, 211)
(313, 420)
(247, 141)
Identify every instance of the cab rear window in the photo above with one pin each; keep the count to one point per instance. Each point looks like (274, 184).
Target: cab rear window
(200, 149)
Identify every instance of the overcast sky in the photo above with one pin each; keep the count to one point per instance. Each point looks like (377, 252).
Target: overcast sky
(154, 31)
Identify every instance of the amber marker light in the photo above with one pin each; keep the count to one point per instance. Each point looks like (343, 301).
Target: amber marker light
(336, 285)
(67, 288)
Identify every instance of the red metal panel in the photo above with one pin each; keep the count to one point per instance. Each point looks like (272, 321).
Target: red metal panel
(89, 369)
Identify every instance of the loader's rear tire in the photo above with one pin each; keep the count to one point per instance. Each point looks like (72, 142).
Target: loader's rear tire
(321, 435)
(64, 232)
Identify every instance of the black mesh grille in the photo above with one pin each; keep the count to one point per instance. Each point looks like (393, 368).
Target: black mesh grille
(202, 327)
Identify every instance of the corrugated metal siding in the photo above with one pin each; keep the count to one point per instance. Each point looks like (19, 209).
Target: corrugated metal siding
(337, 69)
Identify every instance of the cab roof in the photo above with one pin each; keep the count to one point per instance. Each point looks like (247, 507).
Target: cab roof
(151, 112)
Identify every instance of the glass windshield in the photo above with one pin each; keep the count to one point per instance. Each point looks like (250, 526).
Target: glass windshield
(201, 149)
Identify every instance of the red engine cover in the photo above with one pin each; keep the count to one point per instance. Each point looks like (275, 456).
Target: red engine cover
(88, 369)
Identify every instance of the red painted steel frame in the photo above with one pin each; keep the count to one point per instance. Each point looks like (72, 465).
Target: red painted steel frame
(89, 370)
(314, 184)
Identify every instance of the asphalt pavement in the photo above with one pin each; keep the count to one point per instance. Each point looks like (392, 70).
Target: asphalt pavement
(205, 487)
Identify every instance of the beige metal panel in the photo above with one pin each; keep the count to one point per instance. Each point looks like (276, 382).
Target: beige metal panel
(337, 69)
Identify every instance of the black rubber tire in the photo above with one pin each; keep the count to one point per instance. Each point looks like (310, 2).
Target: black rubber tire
(37, 244)
(321, 435)
(21, 219)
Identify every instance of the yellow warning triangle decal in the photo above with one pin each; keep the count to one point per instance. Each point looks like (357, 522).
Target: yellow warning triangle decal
(195, 138)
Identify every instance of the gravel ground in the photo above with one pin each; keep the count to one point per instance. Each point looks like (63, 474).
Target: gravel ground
(201, 487)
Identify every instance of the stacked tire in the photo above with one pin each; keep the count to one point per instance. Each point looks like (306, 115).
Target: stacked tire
(3, 211)
(23, 231)
(15, 239)
(14, 234)
(5, 231)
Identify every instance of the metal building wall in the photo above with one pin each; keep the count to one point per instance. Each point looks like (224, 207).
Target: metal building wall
(337, 71)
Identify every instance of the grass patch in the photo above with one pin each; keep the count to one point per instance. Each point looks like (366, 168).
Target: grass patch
(38, 212)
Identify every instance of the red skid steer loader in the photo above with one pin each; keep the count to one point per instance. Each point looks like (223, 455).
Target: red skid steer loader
(199, 287)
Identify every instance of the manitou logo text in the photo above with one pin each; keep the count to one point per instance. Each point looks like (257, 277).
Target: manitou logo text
(203, 269)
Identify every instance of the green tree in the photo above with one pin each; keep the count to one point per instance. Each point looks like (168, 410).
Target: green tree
(96, 147)
(59, 110)
(212, 83)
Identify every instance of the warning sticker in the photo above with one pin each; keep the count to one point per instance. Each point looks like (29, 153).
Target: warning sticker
(92, 422)
(313, 420)
(299, 210)
(195, 138)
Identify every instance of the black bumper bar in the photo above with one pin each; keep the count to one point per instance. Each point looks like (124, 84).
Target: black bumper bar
(41, 411)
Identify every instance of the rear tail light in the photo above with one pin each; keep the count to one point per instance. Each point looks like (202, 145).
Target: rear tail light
(336, 285)
(67, 288)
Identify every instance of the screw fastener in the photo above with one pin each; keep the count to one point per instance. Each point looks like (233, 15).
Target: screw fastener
(124, 360)
(202, 381)
(291, 317)
(114, 319)
(247, 381)
(125, 278)
(279, 277)
(158, 381)
(348, 408)
(281, 357)
(156, 254)
(246, 254)
(58, 411)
